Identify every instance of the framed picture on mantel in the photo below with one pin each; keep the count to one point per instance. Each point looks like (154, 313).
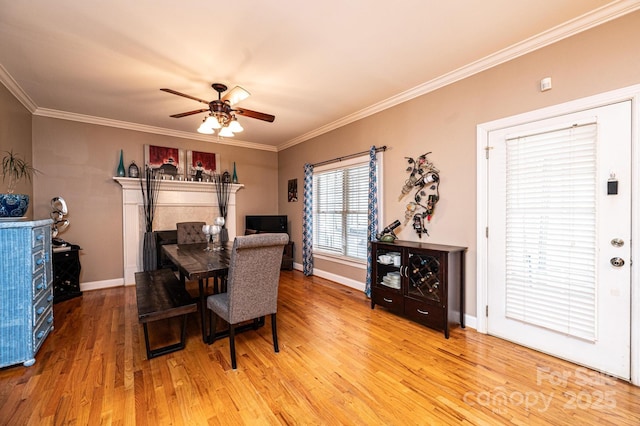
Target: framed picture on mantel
(169, 160)
(202, 165)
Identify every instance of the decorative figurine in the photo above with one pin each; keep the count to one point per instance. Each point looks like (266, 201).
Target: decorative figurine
(134, 171)
(387, 235)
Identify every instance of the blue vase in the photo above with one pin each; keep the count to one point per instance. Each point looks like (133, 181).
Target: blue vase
(121, 166)
(13, 205)
(234, 179)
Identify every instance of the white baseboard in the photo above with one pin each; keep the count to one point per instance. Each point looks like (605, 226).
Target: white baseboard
(357, 285)
(97, 285)
(470, 321)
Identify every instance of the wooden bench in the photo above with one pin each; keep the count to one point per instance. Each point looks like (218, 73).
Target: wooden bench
(160, 295)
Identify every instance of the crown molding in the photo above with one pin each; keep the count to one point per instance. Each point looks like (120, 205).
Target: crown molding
(15, 89)
(71, 116)
(575, 26)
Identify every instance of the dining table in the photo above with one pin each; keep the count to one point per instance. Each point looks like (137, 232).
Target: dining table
(199, 262)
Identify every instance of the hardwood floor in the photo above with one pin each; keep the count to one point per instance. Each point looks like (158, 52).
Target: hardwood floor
(339, 363)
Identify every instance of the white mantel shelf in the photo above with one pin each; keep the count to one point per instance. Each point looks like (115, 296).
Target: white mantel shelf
(178, 201)
(175, 185)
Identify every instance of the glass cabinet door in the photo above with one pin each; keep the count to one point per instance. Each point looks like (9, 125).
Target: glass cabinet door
(388, 268)
(424, 276)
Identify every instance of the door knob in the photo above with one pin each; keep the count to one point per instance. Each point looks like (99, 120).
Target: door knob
(617, 262)
(617, 242)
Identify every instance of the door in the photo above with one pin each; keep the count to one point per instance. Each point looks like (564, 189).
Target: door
(559, 228)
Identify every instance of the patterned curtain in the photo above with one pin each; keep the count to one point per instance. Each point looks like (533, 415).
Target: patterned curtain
(372, 221)
(307, 221)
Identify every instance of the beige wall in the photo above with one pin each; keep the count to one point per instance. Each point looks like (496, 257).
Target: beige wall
(15, 134)
(78, 162)
(444, 122)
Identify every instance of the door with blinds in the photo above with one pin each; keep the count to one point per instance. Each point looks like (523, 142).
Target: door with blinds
(559, 228)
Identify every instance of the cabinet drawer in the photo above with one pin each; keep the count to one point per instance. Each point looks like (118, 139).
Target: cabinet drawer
(429, 315)
(42, 307)
(39, 284)
(392, 300)
(39, 236)
(39, 258)
(40, 333)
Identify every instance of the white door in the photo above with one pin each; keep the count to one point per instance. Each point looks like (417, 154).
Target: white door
(559, 228)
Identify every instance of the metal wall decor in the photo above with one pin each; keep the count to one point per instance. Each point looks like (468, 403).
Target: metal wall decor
(424, 182)
(58, 212)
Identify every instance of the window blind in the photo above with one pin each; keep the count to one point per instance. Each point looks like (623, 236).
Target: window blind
(340, 211)
(550, 230)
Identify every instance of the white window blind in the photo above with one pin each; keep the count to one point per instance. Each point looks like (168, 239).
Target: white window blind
(340, 211)
(551, 222)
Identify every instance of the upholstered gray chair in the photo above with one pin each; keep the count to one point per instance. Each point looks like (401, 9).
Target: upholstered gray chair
(190, 233)
(252, 285)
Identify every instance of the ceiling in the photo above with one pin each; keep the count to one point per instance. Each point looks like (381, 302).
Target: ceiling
(314, 65)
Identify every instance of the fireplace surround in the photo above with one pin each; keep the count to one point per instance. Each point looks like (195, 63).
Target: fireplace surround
(178, 201)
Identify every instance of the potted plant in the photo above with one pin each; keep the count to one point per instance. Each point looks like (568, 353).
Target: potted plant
(14, 169)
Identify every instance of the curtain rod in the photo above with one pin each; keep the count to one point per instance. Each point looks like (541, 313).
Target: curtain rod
(346, 157)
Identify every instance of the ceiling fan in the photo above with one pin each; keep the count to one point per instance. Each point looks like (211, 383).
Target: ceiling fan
(221, 114)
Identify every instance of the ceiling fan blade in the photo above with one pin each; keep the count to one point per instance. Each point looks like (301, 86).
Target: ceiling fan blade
(185, 96)
(255, 114)
(236, 95)
(184, 114)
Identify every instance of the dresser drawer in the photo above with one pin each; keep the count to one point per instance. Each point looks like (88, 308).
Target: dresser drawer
(42, 307)
(429, 315)
(40, 333)
(39, 237)
(39, 283)
(390, 299)
(39, 259)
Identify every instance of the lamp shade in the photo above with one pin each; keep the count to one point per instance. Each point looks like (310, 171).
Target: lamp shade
(205, 129)
(225, 132)
(212, 122)
(235, 126)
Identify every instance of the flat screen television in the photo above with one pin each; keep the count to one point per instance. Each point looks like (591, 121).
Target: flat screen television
(267, 223)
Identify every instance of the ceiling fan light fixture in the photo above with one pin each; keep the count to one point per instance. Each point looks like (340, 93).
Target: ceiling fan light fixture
(221, 115)
(212, 122)
(204, 129)
(235, 126)
(225, 132)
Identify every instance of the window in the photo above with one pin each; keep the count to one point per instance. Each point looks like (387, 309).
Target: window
(340, 209)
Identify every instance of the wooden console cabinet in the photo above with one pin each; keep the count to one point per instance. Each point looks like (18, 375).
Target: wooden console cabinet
(420, 281)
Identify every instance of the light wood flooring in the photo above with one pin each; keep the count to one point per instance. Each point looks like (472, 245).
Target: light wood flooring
(339, 363)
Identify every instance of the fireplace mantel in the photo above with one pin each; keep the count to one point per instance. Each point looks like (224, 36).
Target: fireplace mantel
(178, 201)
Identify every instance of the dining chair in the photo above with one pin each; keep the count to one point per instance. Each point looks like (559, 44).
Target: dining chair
(190, 233)
(252, 286)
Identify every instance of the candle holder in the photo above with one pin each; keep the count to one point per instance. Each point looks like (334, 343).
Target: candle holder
(212, 232)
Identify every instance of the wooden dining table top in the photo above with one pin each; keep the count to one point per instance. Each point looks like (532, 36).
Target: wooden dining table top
(195, 263)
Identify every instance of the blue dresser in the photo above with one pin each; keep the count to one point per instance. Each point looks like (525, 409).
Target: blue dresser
(26, 290)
